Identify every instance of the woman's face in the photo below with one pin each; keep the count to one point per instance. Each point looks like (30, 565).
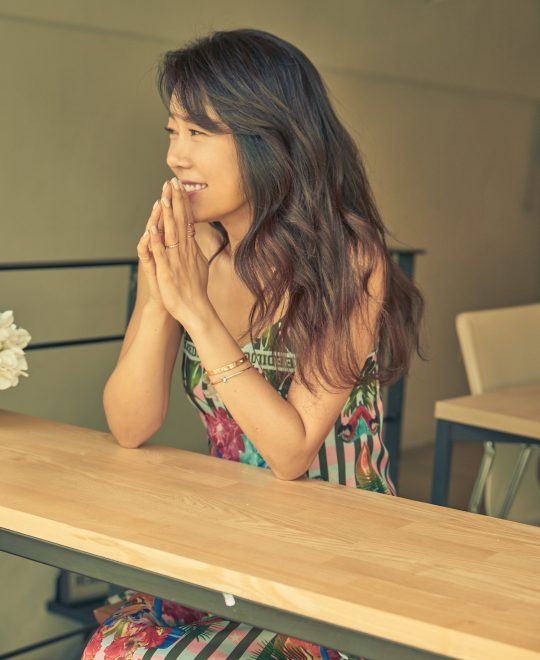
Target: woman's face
(198, 156)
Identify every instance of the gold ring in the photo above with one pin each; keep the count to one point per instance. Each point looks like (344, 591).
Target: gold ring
(172, 246)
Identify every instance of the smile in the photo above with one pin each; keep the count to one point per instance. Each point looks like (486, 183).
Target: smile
(194, 187)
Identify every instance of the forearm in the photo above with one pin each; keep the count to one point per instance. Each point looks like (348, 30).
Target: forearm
(136, 395)
(270, 422)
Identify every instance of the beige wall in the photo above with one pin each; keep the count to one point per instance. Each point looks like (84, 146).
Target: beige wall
(443, 99)
(450, 169)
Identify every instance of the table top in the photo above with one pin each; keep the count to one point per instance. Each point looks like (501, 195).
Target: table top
(446, 581)
(513, 410)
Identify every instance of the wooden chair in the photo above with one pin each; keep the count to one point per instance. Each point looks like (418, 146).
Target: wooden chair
(501, 348)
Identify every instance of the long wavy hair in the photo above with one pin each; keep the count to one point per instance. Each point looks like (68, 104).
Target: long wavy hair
(316, 233)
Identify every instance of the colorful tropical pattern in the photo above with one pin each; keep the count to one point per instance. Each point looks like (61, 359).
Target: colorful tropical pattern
(145, 626)
(352, 454)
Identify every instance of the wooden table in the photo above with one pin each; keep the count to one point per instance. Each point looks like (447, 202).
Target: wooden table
(366, 573)
(505, 415)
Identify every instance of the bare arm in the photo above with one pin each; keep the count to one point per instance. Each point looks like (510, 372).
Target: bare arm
(288, 433)
(136, 395)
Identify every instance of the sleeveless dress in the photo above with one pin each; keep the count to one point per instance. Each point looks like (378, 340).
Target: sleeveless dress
(353, 454)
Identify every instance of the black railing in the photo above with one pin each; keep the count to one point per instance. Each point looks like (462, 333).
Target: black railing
(99, 263)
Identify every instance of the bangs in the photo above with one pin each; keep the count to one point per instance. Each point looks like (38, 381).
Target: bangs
(182, 80)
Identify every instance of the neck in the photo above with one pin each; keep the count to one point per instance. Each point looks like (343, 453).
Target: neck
(237, 226)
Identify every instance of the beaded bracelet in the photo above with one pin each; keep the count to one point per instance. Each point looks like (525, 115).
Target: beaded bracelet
(224, 379)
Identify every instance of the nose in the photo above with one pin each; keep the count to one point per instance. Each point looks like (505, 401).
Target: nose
(178, 154)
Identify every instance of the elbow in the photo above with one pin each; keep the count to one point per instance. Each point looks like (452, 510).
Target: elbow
(288, 477)
(128, 443)
(131, 438)
(282, 477)
(294, 468)
(286, 473)
(130, 432)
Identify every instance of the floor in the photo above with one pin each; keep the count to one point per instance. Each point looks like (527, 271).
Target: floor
(415, 473)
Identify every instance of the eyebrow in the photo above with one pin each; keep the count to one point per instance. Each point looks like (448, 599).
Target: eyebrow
(219, 124)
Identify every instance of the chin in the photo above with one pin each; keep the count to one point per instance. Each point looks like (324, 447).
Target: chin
(204, 222)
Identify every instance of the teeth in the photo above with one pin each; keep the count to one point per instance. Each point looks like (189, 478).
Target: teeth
(190, 187)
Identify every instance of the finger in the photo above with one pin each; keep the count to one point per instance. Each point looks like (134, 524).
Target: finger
(171, 230)
(160, 225)
(144, 242)
(144, 254)
(158, 249)
(185, 221)
(155, 215)
(178, 207)
(155, 218)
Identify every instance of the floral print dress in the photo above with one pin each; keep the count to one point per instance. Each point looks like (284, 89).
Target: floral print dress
(352, 454)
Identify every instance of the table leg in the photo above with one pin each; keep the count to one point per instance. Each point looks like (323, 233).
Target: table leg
(442, 463)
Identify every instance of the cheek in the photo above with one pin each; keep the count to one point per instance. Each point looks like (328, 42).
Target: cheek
(230, 169)
(234, 177)
(228, 183)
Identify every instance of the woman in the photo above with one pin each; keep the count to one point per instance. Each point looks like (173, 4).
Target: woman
(265, 263)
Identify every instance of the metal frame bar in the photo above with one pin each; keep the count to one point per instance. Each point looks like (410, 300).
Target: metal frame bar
(483, 471)
(517, 473)
(208, 600)
(82, 263)
(446, 434)
(393, 416)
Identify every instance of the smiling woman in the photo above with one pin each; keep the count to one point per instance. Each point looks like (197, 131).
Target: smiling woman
(205, 157)
(265, 266)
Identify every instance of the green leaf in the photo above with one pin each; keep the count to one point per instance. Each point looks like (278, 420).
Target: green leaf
(269, 652)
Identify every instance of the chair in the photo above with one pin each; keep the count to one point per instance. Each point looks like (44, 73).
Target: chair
(501, 348)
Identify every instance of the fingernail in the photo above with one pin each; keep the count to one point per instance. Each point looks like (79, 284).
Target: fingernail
(155, 204)
(153, 229)
(165, 185)
(166, 202)
(174, 181)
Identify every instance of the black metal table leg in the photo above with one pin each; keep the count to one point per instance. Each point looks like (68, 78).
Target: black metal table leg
(442, 463)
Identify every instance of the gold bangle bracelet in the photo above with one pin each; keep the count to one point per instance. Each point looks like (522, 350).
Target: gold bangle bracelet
(224, 379)
(227, 367)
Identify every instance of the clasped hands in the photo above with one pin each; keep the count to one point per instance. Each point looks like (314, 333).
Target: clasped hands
(178, 276)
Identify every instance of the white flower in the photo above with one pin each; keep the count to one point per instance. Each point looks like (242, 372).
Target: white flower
(12, 361)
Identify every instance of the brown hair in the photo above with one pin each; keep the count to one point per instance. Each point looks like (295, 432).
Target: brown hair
(314, 213)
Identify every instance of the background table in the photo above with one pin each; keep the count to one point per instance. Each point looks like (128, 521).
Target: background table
(505, 415)
(366, 573)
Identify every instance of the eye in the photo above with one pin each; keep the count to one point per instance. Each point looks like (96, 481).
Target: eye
(170, 131)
